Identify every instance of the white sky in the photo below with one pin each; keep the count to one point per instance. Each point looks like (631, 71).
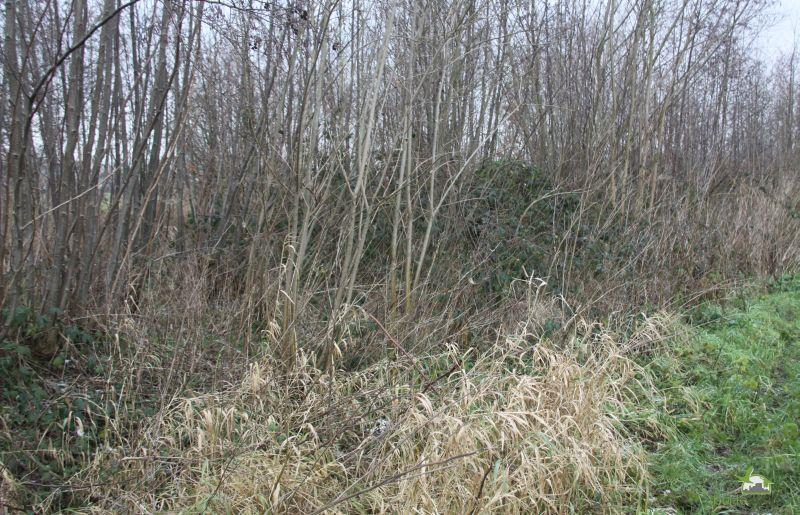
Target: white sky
(785, 28)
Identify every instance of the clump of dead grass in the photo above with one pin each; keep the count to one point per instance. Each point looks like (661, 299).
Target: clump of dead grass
(526, 426)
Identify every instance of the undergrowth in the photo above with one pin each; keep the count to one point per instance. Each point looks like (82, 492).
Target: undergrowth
(659, 415)
(52, 408)
(528, 425)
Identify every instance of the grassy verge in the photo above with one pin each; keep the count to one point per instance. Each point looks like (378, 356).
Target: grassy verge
(661, 417)
(731, 390)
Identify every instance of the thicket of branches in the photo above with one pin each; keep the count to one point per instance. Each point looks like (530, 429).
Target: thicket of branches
(329, 204)
(313, 155)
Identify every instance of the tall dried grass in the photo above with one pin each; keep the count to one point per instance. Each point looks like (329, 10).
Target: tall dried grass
(529, 425)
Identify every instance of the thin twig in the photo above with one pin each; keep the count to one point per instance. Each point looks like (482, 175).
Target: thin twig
(391, 479)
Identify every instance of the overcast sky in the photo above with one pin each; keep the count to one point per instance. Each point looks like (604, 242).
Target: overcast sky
(779, 38)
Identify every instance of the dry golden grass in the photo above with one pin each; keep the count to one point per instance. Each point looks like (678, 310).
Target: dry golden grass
(527, 426)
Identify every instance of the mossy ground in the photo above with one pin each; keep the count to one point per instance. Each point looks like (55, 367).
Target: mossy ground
(731, 391)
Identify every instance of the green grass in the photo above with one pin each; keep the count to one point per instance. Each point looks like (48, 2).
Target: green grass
(732, 397)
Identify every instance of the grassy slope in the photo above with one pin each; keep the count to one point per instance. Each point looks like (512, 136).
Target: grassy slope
(536, 426)
(732, 393)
